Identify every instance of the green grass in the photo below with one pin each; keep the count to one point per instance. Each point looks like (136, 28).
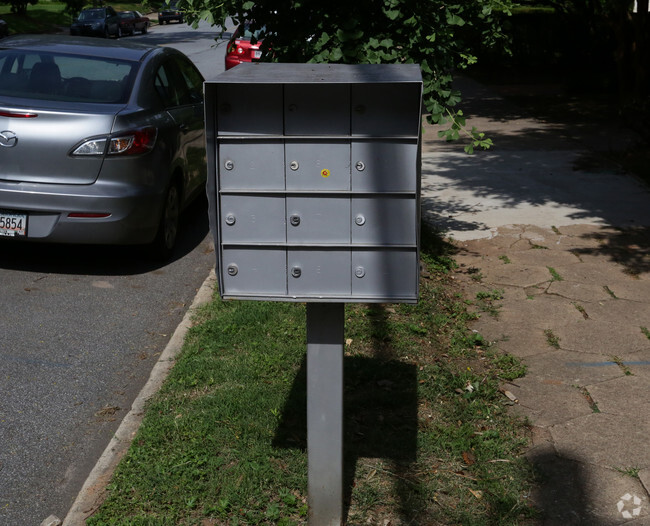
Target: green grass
(428, 439)
(552, 339)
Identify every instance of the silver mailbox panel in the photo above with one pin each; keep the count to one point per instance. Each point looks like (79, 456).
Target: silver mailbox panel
(318, 220)
(384, 166)
(326, 271)
(315, 181)
(385, 110)
(383, 221)
(252, 219)
(252, 165)
(317, 109)
(249, 109)
(317, 165)
(253, 271)
(384, 274)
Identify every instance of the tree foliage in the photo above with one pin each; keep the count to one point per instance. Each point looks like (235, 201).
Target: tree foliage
(620, 28)
(439, 36)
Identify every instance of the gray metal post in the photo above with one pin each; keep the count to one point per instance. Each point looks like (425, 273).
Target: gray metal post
(325, 330)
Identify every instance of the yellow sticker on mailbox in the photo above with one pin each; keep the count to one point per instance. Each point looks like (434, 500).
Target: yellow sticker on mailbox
(325, 172)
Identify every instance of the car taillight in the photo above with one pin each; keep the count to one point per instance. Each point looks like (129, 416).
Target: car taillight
(133, 142)
(18, 114)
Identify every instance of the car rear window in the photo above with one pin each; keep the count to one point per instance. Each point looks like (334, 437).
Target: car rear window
(73, 78)
(92, 14)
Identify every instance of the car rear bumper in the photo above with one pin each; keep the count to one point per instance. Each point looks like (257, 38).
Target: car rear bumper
(131, 214)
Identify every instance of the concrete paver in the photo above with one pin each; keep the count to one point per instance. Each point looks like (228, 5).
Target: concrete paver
(567, 244)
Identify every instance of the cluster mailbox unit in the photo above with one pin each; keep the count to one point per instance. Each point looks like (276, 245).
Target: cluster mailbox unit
(314, 193)
(314, 180)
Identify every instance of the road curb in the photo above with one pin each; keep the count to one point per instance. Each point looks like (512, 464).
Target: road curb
(93, 492)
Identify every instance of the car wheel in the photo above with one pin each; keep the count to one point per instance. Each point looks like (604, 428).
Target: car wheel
(144, 29)
(163, 245)
(118, 33)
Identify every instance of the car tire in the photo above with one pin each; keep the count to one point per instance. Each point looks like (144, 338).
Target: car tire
(118, 33)
(165, 241)
(144, 29)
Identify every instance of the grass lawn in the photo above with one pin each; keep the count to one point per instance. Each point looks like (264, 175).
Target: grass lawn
(428, 438)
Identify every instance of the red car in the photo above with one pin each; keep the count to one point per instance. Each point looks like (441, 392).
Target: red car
(240, 48)
(132, 21)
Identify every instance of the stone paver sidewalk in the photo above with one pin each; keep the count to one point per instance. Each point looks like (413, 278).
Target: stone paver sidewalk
(568, 252)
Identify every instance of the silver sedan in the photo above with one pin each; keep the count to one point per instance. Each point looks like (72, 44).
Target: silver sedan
(101, 142)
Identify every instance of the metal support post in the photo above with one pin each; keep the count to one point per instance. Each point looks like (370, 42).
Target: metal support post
(325, 333)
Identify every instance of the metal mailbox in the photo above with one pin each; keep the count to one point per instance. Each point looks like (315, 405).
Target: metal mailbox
(314, 181)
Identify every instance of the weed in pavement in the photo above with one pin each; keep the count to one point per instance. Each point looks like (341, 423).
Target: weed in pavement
(428, 438)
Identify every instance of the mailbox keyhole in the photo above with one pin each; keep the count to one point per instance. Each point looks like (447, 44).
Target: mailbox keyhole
(232, 269)
(294, 220)
(296, 272)
(360, 166)
(230, 219)
(359, 272)
(294, 165)
(229, 165)
(360, 220)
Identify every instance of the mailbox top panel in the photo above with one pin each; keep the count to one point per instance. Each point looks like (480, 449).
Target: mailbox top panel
(314, 73)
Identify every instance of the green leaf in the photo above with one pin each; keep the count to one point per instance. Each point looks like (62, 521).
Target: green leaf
(454, 20)
(392, 14)
(336, 54)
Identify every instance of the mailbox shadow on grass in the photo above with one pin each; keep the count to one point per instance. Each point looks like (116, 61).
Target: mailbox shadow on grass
(380, 421)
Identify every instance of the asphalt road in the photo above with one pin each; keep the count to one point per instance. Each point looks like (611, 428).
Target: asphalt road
(80, 330)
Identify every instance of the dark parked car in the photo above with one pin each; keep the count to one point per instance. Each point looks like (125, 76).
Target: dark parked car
(97, 22)
(132, 21)
(102, 142)
(4, 28)
(241, 47)
(169, 12)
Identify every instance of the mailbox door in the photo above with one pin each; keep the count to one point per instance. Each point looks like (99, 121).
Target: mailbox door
(384, 166)
(249, 109)
(252, 219)
(318, 220)
(254, 271)
(381, 220)
(317, 109)
(321, 166)
(315, 273)
(386, 110)
(251, 165)
(385, 273)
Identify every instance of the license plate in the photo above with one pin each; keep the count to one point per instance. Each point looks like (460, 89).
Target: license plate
(257, 54)
(13, 225)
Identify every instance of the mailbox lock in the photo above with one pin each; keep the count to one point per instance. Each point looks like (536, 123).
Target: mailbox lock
(232, 269)
(296, 272)
(294, 165)
(293, 107)
(360, 220)
(360, 166)
(294, 220)
(230, 219)
(229, 165)
(359, 272)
